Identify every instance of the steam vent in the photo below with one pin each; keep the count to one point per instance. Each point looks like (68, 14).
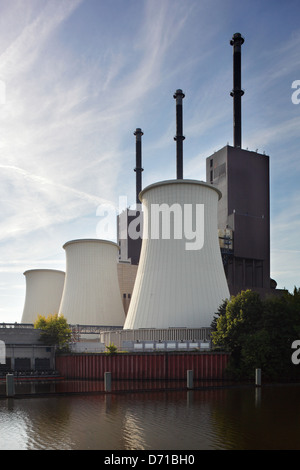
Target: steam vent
(91, 293)
(180, 279)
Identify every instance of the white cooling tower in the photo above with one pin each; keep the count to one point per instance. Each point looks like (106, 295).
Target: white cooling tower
(91, 293)
(44, 289)
(180, 279)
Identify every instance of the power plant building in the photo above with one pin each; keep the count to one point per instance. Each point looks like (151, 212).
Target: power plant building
(243, 216)
(244, 210)
(185, 249)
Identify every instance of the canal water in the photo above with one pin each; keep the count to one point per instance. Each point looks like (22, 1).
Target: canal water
(232, 418)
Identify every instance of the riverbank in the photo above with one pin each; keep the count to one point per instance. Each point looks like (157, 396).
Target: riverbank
(61, 387)
(39, 388)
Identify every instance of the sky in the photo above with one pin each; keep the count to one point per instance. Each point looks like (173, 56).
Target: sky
(77, 77)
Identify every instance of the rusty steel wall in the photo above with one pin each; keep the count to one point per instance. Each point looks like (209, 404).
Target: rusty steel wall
(170, 366)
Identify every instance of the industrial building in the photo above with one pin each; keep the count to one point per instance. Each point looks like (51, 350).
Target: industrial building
(244, 210)
(180, 280)
(161, 289)
(243, 223)
(25, 354)
(243, 178)
(243, 217)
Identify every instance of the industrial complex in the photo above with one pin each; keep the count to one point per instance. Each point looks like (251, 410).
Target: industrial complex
(186, 248)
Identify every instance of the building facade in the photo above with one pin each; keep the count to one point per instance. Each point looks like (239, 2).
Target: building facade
(243, 216)
(24, 352)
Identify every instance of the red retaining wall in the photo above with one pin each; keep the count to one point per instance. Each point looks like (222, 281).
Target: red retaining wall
(170, 366)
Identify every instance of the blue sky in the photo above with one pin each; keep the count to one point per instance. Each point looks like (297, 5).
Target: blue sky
(77, 77)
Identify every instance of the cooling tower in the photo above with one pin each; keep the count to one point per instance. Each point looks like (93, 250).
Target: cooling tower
(180, 279)
(91, 293)
(44, 289)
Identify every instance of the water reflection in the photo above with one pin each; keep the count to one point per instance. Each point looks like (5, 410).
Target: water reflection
(233, 418)
(29, 387)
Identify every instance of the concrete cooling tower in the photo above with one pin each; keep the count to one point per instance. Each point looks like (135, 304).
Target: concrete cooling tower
(180, 279)
(44, 289)
(91, 293)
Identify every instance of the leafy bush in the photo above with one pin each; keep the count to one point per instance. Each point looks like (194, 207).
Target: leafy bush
(111, 349)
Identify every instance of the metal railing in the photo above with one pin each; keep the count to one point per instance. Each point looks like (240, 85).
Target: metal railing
(82, 329)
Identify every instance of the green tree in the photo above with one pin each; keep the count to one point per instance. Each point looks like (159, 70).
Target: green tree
(55, 330)
(238, 319)
(259, 334)
(282, 321)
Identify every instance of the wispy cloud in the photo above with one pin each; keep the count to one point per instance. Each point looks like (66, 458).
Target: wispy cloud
(42, 207)
(61, 135)
(22, 53)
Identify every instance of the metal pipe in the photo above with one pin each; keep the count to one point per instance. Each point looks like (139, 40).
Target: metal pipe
(179, 138)
(237, 92)
(138, 169)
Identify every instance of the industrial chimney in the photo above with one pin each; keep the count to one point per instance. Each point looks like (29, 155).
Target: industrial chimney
(179, 138)
(138, 168)
(237, 92)
(44, 289)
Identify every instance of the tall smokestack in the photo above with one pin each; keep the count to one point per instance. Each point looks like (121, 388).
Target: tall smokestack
(237, 92)
(138, 169)
(179, 138)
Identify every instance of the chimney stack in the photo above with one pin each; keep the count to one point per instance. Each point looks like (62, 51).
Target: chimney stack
(138, 169)
(179, 138)
(237, 92)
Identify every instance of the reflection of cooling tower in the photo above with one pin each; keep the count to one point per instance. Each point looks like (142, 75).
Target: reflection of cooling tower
(44, 289)
(91, 293)
(180, 281)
